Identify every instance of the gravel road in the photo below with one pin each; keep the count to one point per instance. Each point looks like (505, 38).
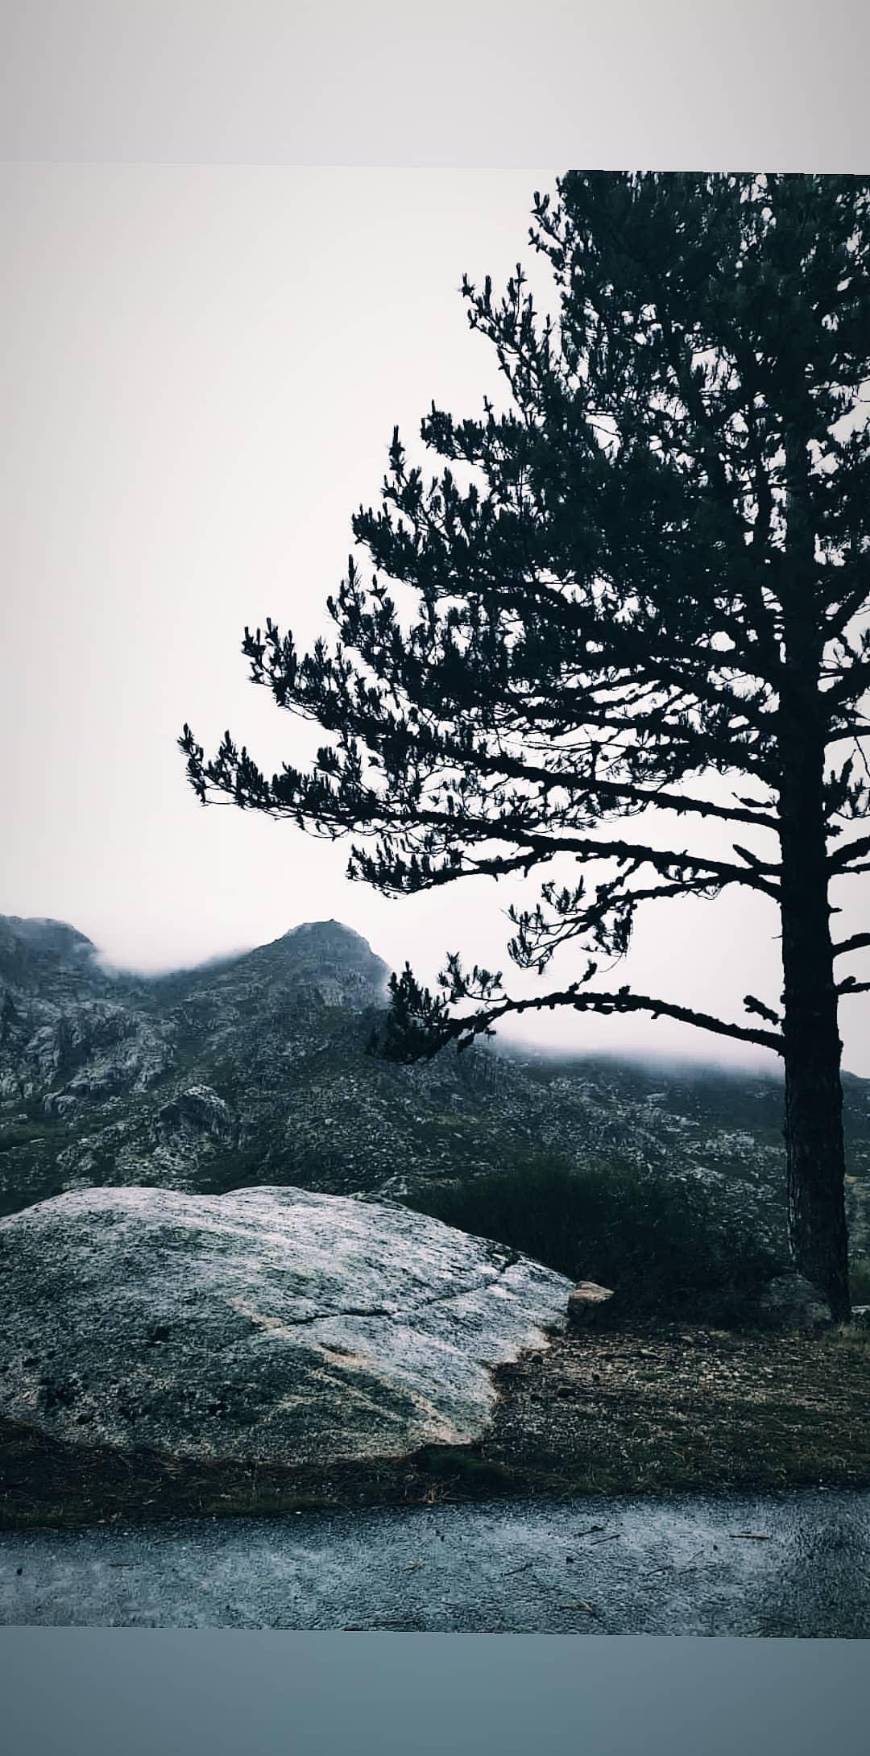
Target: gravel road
(791, 1564)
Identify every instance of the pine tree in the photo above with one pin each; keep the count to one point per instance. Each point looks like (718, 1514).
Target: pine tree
(648, 569)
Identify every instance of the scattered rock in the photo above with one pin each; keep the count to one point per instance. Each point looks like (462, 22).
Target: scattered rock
(271, 1325)
(586, 1302)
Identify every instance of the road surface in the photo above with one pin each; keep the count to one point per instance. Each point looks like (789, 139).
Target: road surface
(791, 1564)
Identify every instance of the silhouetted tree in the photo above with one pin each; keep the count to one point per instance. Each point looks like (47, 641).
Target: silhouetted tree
(651, 567)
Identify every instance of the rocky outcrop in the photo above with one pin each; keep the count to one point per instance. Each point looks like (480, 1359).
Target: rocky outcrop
(195, 1112)
(94, 1051)
(273, 1325)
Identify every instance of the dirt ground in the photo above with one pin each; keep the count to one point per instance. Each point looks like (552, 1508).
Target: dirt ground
(646, 1409)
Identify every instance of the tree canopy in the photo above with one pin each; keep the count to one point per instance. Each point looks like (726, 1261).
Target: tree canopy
(651, 566)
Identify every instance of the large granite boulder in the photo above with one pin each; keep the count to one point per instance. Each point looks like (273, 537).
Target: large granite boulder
(271, 1324)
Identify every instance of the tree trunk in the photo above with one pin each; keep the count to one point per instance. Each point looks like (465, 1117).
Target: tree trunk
(812, 1048)
(816, 1164)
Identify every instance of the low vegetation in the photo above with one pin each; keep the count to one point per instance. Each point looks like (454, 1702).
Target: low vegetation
(665, 1245)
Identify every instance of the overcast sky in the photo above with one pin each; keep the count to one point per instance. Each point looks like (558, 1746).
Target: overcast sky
(203, 368)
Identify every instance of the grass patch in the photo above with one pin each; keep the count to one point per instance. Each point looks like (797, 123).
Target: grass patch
(50, 1483)
(466, 1470)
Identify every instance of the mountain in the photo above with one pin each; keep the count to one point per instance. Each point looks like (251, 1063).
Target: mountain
(253, 1070)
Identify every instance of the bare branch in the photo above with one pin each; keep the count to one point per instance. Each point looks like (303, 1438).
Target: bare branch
(857, 942)
(841, 861)
(623, 1001)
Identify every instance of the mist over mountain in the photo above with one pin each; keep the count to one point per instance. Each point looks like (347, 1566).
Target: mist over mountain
(254, 1069)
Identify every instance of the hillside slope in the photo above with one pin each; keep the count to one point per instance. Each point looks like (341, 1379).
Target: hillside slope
(254, 1070)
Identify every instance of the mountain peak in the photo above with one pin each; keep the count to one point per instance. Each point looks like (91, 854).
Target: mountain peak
(328, 936)
(43, 932)
(332, 957)
(32, 947)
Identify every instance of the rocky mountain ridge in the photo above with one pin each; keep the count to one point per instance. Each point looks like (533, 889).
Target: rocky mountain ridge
(253, 1070)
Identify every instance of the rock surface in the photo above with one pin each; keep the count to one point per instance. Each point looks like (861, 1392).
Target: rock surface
(587, 1302)
(271, 1324)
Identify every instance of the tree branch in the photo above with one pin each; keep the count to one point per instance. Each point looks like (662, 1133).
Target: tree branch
(514, 768)
(857, 942)
(841, 861)
(623, 1001)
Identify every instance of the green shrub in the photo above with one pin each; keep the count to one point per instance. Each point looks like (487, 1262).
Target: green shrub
(659, 1243)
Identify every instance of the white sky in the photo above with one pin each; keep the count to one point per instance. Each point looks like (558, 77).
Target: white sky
(203, 368)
